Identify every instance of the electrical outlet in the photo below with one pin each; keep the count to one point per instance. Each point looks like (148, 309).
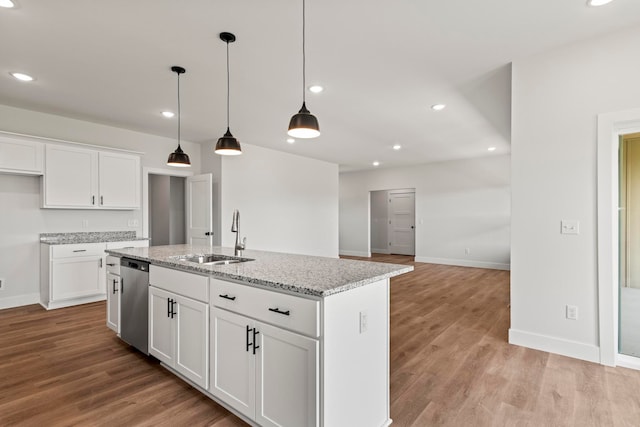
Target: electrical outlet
(572, 312)
(364, 321)
(133, 223)
(85, 223)
(1, 284)
(467, 251)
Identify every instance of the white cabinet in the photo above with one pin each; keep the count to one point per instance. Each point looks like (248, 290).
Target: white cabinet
(71, 274)
(179, 324)
(82, 178)
(114, 285)
(268, 374)
(20, 155)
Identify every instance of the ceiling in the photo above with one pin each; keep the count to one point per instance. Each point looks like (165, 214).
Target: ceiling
(382, 64)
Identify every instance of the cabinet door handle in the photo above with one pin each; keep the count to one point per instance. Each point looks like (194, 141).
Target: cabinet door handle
(80, 250)
(110, 264)
(100, 262)
(168, 307)
(255, 347)
(276, 310)
(226, 296)
(121, 286)
(248, 333)
(173, 306)
(93, 200)
(101, 200)
(114, 286)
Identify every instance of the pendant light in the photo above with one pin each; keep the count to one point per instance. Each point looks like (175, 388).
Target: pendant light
(227, 145)
(304, 124)
(178, 158)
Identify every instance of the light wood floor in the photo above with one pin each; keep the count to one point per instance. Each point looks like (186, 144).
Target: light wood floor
(450, 365)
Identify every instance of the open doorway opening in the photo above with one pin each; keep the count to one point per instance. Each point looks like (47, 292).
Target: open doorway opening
(629, 245)
(167, 224)
(393, 222)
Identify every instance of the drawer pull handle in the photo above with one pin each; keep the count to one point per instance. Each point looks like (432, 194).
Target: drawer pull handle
(226, 296)
(275, 310)
(110, 264)
(80, 250)
(249, 333)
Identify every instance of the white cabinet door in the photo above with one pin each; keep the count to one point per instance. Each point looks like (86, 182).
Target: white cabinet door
(119, 180)
(20, 155)
(113, 302)
(70, 177)
(77, 277)
(192, 332)
(286, 378)
(161, 326)
(232, 361)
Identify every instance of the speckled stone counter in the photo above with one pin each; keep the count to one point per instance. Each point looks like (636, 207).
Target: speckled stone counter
(89, 237)
(310, 275)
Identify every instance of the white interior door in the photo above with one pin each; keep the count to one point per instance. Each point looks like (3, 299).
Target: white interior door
(199, 195)
(402, 220)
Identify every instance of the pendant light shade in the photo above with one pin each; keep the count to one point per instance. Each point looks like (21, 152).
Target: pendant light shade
(304, 124)
(228, 145)
(178, 158)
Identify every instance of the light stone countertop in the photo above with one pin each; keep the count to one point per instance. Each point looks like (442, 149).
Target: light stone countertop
(303, 274)
(89, 237)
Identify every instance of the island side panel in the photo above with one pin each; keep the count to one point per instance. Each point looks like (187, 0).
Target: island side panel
(356, 357)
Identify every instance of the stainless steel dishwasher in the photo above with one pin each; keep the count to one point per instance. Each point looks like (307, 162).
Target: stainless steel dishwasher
(134, 303)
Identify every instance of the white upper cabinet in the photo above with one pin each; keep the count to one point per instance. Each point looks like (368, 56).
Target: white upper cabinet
(20, 155)
(80, 178)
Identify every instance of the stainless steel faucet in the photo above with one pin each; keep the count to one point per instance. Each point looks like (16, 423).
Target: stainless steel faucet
(235, 228)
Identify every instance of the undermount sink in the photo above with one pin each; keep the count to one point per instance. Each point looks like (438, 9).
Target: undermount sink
(212, 259)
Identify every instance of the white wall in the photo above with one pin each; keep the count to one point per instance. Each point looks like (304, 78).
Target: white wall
(379, 222)
(287, 203)
(556, 99)
(459, 204)
(22, 220)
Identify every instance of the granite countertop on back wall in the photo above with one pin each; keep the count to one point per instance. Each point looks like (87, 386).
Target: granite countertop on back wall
(89, 237)
(302, 274)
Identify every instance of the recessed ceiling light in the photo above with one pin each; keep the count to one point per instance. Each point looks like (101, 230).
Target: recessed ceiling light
(438, 107)
(22, 77)
(7, 3)
(491, 148)
(316, 88)
(168, 114)
(397, 146)
(598, 2)
(376, 163)
(291, 140)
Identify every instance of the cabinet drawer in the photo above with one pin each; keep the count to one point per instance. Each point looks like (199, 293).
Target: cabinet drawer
(75, 250)
(179, 282)
(113, 265)
(288, 311)
(129, 244)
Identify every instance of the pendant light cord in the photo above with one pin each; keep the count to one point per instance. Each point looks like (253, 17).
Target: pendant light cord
(304, 68)
(178, 109)
(228, 86)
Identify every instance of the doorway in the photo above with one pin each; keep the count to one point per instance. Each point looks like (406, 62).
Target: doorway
(392, 219)
(629, 246)
(167, 210)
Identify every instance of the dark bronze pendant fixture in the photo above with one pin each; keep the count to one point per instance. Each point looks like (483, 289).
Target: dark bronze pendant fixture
(304, 124)
(178, 158)
(228, 145)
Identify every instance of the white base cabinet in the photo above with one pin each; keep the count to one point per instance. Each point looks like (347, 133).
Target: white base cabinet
(268, 374)
(179, 326)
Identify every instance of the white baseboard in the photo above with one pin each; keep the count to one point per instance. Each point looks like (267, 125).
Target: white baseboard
(19, 300)
(380, 251)
(464, 263)
(577, 350)
(355, 253)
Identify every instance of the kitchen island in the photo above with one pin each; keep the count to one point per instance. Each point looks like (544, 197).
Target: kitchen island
(282, 339)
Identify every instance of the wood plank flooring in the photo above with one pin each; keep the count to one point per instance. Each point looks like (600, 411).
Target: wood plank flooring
(451, 365)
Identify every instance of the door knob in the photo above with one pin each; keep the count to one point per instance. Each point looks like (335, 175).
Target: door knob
(412, 227)
(209, 233)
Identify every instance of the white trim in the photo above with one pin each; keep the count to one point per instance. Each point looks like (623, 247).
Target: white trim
(628, 361)
(19, 300)
(610, 127)
(145, 191)
(380, 251)
(464, 263)
(356, 253)
(62, 141)
(555, 345)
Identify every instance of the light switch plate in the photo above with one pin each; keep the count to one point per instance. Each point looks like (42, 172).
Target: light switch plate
(569, 226)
